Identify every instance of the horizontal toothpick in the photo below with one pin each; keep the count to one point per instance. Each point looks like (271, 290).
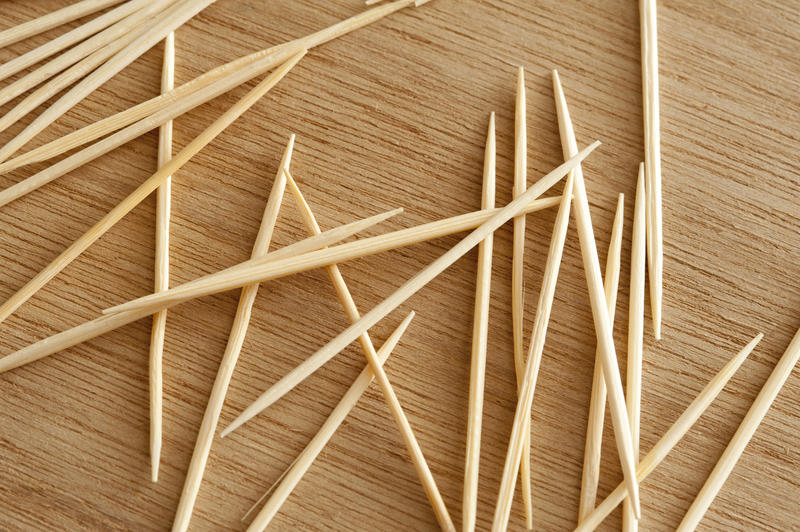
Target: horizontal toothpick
(743, 435)
(52, 20)
(670, 438)
(597, 298)
(410, 287)
(104, 324)
(296, 471)
(153, 182)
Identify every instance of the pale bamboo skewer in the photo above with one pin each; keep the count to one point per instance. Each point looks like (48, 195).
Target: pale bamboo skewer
(176, 15)
(602, 324)
(147, 108)
(104, 324)
(53, 19)
(744, 433)
(202, 447)
(670, 438)
(109, 143)
(21, 62)
(517, 287)
(652, 156)
(295, 473)
(408, 289)
(480, 332)
(282, 476)
(636, 330)
(374, 362)
(75, 63)
(161, 274)
(517, 441)
(597, 404)
(218, 281)
(145, 189)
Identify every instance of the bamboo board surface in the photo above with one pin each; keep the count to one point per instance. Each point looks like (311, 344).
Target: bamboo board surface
(395, 115)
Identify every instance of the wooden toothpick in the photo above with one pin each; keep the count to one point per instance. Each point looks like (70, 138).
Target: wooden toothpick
(743, 435)
(375, 365)
(480, 332)
(597, 404)
(52, 20)
(303, 462)
(652, 156)
(161, 273)
(670, 438)
(152, 183)
(208, 426)
(635, 330)
(602, 324)
(104, 324)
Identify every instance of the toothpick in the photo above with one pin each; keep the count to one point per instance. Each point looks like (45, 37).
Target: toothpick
(517, 441)
(602, 323)
(480, 332)
(409, 288)
(145, 109)
(517, 290)
(635, 331)
(652, 156)
(295, 472)
(161, 274)
(152, 183)
(104, 324)
(670, 438)
(52, 20)
(258, 269)
(202, 447)
(169, 20)
(743, 436)
(65, 40)
(597, 404)
(374, 362)
(73, 64)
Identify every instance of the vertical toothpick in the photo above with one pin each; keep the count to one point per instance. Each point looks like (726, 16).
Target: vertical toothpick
(670, 438)
(517, 285)
(635, 331)
(161, 276)
(208, 426)
(414, 450)
(597, 404)
(743, 435)
(602, 324)
(480, 331)
(652, 156)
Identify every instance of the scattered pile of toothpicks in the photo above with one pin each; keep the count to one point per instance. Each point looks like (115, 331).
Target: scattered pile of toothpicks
(98, 49)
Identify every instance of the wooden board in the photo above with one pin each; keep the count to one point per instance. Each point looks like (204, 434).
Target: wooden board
(395, 115)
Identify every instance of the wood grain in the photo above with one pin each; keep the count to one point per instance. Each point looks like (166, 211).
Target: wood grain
(381, 116)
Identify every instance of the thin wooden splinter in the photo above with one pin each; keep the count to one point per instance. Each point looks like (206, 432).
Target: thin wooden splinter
(480, 332)
(597, 404)
(202, 447)
(597, 298)
(104, 324)
(294, 474)
(161, 273)
(670, 438)
(375, 365)
(743, 435)
(517, 286)
(652, 156)
(408, 289)
(636, 330)
(52, 20)
(152, 183)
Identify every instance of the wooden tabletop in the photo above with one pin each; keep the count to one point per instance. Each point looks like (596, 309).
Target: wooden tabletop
(394, 115)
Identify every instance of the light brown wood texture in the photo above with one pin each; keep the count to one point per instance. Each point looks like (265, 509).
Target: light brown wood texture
(395, 114)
